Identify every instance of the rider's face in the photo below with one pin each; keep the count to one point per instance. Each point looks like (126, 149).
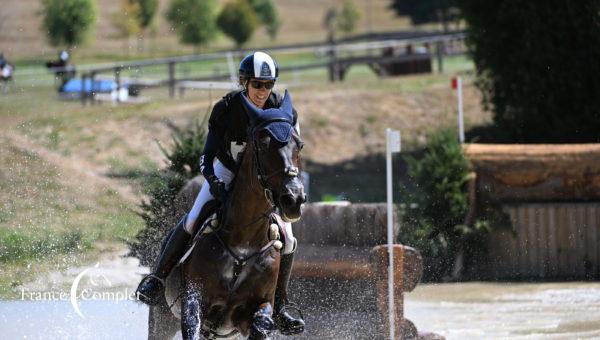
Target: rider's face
(259, 96)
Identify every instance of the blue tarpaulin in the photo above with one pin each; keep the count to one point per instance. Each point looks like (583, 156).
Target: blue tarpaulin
(100, 86)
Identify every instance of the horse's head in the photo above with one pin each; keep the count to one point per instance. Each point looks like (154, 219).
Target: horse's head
(276, 152)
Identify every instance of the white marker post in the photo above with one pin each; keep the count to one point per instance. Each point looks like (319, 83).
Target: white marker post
(457, 84)
(393, 145)
(231, 66)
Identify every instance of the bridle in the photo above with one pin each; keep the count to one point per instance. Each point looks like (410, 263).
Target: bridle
(263, 179)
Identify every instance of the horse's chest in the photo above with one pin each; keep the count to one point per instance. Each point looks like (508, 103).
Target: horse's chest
(247, 273)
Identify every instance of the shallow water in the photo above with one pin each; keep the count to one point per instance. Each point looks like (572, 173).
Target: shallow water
(346, 311)
(510, 310)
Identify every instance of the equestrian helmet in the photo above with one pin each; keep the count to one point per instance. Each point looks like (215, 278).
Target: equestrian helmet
(258, 65)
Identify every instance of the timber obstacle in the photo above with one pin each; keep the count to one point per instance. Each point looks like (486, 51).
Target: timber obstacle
(344, 242)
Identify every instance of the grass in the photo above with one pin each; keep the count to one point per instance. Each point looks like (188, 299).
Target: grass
(47, 217)
(19, 246)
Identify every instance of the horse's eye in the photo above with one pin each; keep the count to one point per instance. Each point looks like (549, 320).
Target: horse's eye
(264, 142)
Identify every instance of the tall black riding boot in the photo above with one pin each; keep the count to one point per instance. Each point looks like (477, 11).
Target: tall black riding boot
(287, 324)
(152, 285)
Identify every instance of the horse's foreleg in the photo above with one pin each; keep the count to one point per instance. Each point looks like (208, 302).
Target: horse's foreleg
(191, 307)
(262, 323)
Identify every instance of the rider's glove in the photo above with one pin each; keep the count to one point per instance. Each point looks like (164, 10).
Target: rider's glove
(217, 188)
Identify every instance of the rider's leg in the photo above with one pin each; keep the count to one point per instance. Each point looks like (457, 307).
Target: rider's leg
(204, 196)
(286, 323)
(152, 285)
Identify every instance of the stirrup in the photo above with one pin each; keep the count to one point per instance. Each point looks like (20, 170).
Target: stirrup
(162, 282)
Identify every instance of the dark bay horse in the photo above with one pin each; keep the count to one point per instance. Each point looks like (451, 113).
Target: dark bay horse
(226, 286)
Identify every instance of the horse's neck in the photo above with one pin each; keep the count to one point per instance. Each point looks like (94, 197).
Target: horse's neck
(244, 222)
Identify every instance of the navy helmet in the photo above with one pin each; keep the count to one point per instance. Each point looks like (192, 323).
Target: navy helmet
(258, 65)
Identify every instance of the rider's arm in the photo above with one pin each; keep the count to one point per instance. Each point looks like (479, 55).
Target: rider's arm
(210, 151)
(214, 139)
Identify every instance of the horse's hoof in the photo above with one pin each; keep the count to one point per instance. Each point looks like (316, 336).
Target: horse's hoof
(261, 328)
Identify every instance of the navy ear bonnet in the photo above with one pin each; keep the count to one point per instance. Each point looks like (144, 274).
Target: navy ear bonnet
(279, 122)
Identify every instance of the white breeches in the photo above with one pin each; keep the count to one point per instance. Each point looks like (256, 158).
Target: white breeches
(204, 196)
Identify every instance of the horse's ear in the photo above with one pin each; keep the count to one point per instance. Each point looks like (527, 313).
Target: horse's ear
(286, 105)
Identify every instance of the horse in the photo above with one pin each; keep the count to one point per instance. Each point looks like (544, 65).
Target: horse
(226, 285)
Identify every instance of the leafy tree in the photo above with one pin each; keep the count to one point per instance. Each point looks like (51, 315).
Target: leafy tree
(426, 11)
(268, 16)
(162, 188)
(194, 20)
(147, 11)
(538, 65)
(438, 205)
(329, 22)
(125, 20)
(67, 22)
(238, 21)
(348, 17)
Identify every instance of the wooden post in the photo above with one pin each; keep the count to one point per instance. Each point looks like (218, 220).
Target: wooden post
(440, 56)
(92, 88)
(408, 268)
(83, 92)
(333, 64)
(171, 79)
(118, 82)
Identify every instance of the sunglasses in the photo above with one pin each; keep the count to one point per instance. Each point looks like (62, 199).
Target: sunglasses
(257, 84)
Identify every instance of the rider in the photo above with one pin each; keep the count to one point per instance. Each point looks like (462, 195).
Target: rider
(227, 129)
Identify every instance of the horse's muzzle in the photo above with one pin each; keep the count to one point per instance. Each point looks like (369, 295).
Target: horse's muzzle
(291, 200)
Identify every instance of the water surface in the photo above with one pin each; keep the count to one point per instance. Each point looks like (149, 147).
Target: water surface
(347, 310)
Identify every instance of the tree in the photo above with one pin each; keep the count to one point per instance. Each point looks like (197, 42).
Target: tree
(348, 17)
(146, 13)
(538, 65)
(194, 20)
(238, 21)
(125, 20)
(435, 222)
(145, 16)
(268, 16)
(162, 186)
(329, 23)
(67, 22)
(425, 11)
